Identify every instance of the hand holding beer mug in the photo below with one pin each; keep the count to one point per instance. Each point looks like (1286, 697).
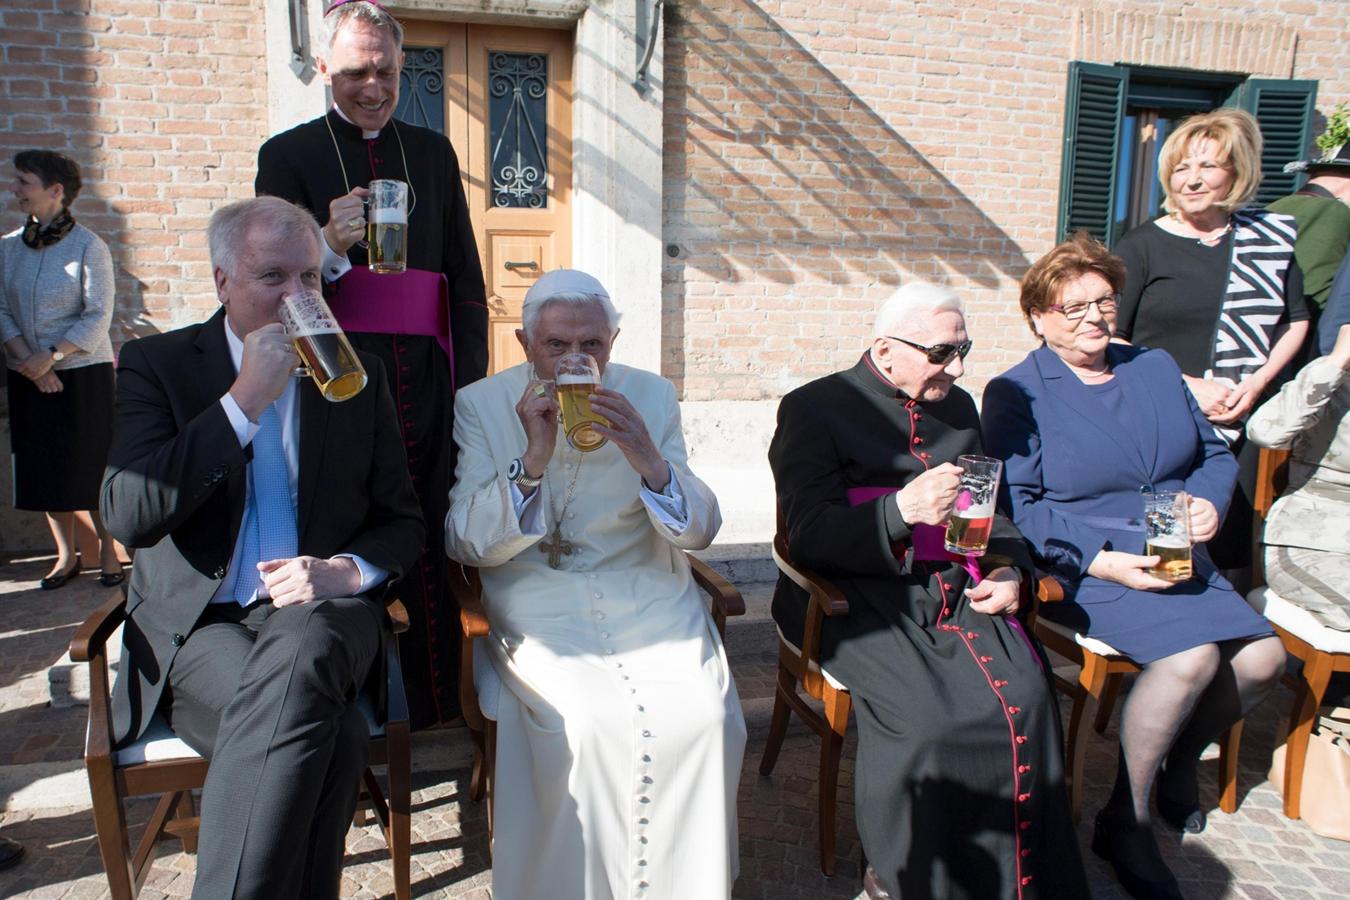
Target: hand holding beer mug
(576, 377)
(972, 517)
(327, 355)
(1167, 534)
(387, 226)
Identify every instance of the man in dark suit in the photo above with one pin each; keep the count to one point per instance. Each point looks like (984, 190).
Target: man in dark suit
(267, 523)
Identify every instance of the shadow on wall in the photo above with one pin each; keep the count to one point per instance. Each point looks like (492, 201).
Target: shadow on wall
(778, 173)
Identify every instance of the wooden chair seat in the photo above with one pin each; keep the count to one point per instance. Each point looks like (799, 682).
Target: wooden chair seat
(162, 764)
(815, 666)
(480, 686)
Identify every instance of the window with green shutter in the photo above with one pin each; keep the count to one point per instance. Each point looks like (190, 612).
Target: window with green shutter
(1117, 118)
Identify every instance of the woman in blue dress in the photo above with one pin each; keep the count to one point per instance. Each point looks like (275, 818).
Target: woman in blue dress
(1085, 427)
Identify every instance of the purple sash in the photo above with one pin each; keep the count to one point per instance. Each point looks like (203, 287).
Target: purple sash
(416, 302)
(929, 542)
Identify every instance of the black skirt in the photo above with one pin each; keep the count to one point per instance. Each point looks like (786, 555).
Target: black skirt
(60, 441)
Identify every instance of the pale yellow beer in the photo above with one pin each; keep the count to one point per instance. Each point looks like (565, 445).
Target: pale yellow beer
(387, 227)
(574, 393)
(1175, 557)
(332, 363)
(968, 532)
(327, 355)
(387, 235)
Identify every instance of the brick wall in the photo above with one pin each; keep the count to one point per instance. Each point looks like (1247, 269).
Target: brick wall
(819, 153)
(163, 104)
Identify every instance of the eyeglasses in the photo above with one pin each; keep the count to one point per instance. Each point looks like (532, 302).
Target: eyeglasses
(938, 354)
(1075, 311)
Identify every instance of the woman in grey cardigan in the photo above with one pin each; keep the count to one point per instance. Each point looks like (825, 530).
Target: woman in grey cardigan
(56, 303)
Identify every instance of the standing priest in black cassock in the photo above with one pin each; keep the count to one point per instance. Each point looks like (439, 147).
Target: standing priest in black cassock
(959, 778)
(429, 325)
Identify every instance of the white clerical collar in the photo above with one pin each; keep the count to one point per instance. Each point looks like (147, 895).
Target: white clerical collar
(368, 135)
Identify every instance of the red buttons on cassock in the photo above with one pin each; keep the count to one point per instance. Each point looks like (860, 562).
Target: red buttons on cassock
(1021, 739)
(1014, 710)
(986, 659)
(1023, 769)
(917, 440)
(946, 586)
(1000, 682)
(972, 635)
(918, 417)
(1026, 880)
(1026, 852)
(1025, 825)
(924, 455)
(1023, 798)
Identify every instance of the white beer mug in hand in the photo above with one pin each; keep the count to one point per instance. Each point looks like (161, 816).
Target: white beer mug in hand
(327, 355)
(387, 226)
(577, 376)
(972, 517)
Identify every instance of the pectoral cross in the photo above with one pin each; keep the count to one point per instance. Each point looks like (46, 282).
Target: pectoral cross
(556, 548)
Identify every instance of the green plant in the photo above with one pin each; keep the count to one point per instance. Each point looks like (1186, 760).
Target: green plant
(1338, 129)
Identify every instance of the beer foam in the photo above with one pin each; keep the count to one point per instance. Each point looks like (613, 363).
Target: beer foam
(300, 331)
(976, 511)
(575, 379)
(1169, 541)
(388, 217)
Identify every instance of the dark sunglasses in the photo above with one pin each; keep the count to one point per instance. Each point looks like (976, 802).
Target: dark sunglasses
(938, 354)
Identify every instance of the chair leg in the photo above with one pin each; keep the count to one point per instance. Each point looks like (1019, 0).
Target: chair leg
(110, 825)
(1091, 682)
(186, 810)
(1229, 744)
(400, 807)
(478, 781)
(1107, 704)
(837, 707)
(1307, 698)
(490, 776)
(779, 724)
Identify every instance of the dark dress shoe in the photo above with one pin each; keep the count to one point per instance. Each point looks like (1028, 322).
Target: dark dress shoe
(1188, 818)
(52, 582)
(10, 852)
(872, 886)
(111, 579)
(1109, 837)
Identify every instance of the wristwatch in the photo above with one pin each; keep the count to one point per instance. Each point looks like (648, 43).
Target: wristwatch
(57, 355)
(517, 475)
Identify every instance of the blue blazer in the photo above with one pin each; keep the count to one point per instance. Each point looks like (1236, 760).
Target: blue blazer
(1072, 484)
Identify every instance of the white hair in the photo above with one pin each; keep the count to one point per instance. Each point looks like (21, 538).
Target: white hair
(230, 225)
(911, 300)
(534, 307)
(362, 12)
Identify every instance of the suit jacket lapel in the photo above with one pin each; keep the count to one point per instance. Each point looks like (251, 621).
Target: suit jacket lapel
(1065, 386)
(313, 438)
(212, 374)
(1139, 399)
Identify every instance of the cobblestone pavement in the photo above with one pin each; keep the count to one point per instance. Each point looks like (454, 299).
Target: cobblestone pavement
(1255, 853)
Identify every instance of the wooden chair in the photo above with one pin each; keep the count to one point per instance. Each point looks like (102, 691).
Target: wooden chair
(726, 602)
(162, 764)
(1101, 669)
(799, 667)
(1322, 650)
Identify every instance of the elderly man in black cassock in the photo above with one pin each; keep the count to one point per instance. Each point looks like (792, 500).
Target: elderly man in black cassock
(429, 324)
(959, 780)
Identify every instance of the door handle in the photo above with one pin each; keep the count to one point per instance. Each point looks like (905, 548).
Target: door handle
(511, 266)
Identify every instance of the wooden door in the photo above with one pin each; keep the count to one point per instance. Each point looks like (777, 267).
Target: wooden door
(506, 105)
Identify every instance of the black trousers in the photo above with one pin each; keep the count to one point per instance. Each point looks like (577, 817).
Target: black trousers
(269, 695)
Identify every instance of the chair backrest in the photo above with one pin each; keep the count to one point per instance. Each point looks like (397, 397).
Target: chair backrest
(1272, 477)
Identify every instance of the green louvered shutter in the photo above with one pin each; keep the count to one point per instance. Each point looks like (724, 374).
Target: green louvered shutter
(1285, 110)
(1092, 117)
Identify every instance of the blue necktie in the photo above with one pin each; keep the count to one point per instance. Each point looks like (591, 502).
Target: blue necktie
(269, 521)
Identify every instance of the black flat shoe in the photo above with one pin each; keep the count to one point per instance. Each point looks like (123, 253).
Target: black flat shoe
(52, 582)
(1188, 818)
(1108, 836)
(10, 852)
(111, 579)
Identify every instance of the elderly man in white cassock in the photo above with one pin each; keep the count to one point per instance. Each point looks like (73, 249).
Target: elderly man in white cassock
(619, 731)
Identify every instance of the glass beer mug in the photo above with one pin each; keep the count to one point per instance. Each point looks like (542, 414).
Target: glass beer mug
(576, 377)
(325, 352)
(1167, 534)
(972, 517)
(387, 226)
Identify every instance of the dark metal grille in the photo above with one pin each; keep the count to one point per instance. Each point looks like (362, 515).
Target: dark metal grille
(421, 89)
(518, 128)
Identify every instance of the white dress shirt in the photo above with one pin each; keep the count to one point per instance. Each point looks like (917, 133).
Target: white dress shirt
(288, 410)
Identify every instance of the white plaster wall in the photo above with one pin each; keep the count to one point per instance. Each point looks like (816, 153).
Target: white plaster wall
(292, 98)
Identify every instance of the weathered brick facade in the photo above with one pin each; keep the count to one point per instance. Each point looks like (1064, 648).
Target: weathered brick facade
(163, 105)
(819, 153)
